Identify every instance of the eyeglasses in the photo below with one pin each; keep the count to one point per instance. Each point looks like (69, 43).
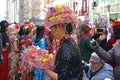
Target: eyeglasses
(93, 62)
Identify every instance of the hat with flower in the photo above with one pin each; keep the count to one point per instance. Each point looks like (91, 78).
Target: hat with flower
(115, 23)
(100, 22)
(116, 31)
(29, 25)
(14, 28)
(60, 14)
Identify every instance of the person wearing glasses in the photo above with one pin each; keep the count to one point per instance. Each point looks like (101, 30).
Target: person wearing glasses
(98, 69)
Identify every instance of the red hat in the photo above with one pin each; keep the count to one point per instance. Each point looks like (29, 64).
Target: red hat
(115, 23)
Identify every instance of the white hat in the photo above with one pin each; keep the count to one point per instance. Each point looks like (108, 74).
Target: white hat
(95, 55)
(14, 28)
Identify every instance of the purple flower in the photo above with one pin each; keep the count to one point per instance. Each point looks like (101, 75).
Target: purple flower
(52, 9)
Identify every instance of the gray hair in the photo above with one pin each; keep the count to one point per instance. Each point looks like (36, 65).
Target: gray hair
(94, 54)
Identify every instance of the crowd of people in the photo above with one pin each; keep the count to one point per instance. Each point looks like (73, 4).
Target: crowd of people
(82, 51)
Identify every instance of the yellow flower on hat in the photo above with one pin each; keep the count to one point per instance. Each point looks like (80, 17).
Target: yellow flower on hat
(44, 60)
(58, 7)
(51, 56)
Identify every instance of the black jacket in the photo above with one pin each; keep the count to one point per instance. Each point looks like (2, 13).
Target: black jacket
(68, 61)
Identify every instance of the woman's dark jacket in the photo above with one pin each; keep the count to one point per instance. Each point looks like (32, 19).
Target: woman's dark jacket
(68, 61)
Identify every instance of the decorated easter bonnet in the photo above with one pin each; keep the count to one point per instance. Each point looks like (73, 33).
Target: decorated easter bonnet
(14, 28)
(60, 14)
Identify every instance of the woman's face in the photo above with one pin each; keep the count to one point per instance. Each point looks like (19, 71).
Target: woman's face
(95, 63)
(57, 32)
(92, 32)
(102, 36)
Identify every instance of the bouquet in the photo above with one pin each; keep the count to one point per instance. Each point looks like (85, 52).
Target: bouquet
(41, 58)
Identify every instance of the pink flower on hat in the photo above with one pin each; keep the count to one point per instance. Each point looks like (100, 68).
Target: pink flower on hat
(14, 28)
(17, 26)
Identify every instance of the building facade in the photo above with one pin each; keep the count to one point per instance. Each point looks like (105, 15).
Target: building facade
(108, 8)
(12, 10)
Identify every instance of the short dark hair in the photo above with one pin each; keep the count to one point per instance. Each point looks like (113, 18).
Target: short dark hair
(116, 31)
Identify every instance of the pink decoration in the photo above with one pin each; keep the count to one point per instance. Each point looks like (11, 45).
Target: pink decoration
(40, 58)
(61, 14)
(17, 26)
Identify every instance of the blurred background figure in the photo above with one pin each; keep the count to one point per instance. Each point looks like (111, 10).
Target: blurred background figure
(1, 56)
(5, 50)
(84, 38)
(40, 40)
(104, 42)
(26, 33)
(13, 57)
(103, 38)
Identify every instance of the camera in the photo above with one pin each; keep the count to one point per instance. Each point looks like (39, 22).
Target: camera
(93, 42)
(85, 66)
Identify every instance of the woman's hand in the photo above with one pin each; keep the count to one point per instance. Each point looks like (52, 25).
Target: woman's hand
(51, 74)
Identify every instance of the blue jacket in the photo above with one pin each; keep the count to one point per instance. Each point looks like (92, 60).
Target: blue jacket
(41, 43)
(104, 73)
(38, 72)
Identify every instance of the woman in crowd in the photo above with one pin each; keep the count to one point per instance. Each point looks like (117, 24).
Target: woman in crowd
(39, 40)
(68, 65)
(14, 54)
(86, 34)
(25, 42)
(5, 50)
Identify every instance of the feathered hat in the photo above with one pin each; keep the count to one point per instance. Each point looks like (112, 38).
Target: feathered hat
(60, 14)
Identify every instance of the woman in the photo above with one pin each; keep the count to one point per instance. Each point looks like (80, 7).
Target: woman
(25, 42)
(14, 54)
(68, 65)
(1, 57)
(5, 50)
(39, 40)
(86, 34)
(114, 53)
